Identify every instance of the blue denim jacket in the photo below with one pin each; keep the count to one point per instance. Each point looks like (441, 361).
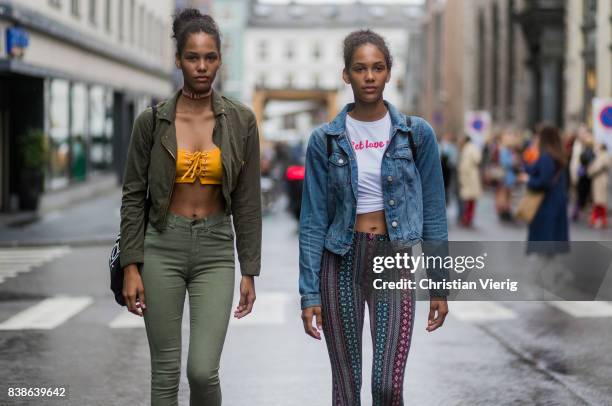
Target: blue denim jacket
(413, 194)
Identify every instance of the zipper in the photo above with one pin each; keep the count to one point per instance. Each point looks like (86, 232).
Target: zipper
(171, 186)
(225, 184)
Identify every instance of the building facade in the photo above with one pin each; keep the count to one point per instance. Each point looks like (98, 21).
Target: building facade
(293, 53)
(523, 61)
(232, 16)
(588, 72)
(84, 71)
(474, 58)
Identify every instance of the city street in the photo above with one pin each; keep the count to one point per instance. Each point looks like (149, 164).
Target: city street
(59, 327)
(195, 101)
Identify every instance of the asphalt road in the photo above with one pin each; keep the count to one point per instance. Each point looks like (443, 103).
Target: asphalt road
(59, 327)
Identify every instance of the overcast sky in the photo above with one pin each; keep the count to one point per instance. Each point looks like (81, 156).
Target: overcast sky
(345, 1)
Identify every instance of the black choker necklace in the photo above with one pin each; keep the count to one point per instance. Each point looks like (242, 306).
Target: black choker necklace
(194, 96)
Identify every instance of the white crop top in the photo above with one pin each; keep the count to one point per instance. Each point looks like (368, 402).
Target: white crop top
(369, 139)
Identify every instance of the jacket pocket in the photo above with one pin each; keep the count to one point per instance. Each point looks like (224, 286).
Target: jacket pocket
(339, 170)
(407, 176)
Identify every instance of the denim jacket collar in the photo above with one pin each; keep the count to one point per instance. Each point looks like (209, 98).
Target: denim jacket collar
(167, 110)
(337, 125)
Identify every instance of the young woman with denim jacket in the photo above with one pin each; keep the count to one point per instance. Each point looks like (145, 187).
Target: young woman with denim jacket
(197, 159)
(349, 212)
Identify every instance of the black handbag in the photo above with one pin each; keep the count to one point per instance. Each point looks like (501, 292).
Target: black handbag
(114, 265)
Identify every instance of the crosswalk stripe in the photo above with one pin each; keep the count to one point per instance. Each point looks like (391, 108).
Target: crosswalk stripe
(480, 311)
(584, 309)
(47, 314)
(42, 255)
(127, 320)
(16, 260)
(19, 252)
(270, 308)
(5, 261)
(10, 273)
(21, 268)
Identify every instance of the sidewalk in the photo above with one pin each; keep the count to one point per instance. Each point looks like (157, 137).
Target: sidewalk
(85, 214)
(96, 185)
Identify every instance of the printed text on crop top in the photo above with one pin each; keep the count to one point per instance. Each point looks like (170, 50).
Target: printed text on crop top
(369, 140)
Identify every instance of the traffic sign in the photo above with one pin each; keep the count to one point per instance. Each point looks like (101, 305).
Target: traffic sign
(477, 124)
(602, 121)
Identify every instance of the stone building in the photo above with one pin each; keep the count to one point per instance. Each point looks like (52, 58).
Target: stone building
(524, 61)
(80, 71)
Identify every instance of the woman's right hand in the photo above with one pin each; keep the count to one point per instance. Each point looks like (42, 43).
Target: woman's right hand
(133, 290)
(307, 318)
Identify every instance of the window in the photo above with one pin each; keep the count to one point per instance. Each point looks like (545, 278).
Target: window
(92, 12)
(289, 122)
(132, 20)
(289, 53)
(147, 31)
(481, 62)
(141, 26)
(59, 134)
(107, 15)
(510, 64)
(162, 37)
(120, 26)
(100, 152)
(316, 81)
(316, 51)
(261, 80)
(55, 3)
(289, 81)
(74, 8)
(262, 50)
(495, 64)
(438, 47)
(589, 28)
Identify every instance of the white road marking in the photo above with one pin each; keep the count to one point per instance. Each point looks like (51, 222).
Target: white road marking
(584, 309)
(479, 311)
(269, 308)
(17, 260)
(126, 319)
(47, 314)
(13, 269)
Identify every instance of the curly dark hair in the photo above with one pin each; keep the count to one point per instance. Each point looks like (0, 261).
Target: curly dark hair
(358, 38)
(190, 21)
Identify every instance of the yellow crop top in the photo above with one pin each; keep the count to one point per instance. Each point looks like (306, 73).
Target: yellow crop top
(205, 165)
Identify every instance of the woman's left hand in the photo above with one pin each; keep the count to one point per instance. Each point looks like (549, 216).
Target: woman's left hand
(247, 297)
(438, 309)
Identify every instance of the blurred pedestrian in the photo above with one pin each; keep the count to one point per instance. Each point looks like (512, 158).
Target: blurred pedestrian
(470, 184)
(449, 157)
(548, 176)
(584, 153)
(509, 164)
(381, 172)
(598, 172)
(192, 170)
(532, 151)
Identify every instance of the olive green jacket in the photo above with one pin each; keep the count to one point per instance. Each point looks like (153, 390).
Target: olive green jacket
(151, 163)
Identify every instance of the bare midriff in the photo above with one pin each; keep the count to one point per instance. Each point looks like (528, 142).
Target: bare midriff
(194, 128)
(373, 223)
(195, 200)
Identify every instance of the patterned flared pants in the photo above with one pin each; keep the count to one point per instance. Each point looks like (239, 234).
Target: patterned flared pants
(346, 285)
